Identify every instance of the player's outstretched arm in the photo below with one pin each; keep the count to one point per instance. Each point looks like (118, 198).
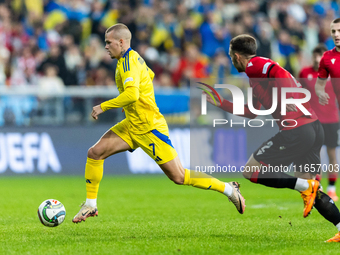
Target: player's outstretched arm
(129, 96)
(320, 91)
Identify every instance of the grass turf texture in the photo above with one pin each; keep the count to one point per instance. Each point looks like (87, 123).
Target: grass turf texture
(150, 215)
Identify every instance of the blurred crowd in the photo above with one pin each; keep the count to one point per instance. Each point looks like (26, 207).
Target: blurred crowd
(57, 43)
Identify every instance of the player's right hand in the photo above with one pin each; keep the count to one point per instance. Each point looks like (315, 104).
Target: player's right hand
(323, 97)
(210, 100)
(96, 110)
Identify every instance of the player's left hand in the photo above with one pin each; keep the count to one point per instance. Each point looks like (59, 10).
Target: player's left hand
(323, 97)
(291, 108)
(96, 110)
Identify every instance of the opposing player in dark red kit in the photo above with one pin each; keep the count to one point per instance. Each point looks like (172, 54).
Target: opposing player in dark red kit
(330, 66)
(328, 115)
(299, 140)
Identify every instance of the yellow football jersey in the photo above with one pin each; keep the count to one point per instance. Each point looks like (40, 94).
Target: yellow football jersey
(143, 115)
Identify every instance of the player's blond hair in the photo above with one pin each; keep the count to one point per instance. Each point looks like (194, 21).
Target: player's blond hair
(336, 21)
(120, 30)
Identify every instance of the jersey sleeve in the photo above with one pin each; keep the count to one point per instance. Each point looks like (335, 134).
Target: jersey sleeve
(283, 79)
(259, 68)
(323, 72)
(129, 71)
(129, 96)
(151, 73)
(278, 72)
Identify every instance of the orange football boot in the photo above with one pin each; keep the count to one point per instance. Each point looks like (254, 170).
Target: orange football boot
(335, 239)
(308, 196)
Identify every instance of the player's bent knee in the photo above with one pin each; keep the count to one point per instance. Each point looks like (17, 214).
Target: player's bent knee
(94, 154)
(179, 180)
(247, 175)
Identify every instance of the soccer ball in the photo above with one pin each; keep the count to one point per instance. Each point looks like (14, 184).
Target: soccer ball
(51, 213)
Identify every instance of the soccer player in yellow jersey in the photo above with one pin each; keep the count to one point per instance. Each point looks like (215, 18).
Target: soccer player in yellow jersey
(144, 126)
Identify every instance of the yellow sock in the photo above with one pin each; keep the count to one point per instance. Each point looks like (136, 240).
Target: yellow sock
(93, 175)
(203, 181)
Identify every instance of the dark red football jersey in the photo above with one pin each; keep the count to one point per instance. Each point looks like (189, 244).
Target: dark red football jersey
(330, 66)
(264, 74)
(328, 113)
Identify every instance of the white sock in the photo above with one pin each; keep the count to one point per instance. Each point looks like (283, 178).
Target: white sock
(338, 226)
(91, 202)
(331, 188)
(228, 190)
(301, 184)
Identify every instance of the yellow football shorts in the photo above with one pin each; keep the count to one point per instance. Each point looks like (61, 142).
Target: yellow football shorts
(156, 143)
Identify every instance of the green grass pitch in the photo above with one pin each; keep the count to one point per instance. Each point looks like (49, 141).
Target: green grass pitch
(150, 215)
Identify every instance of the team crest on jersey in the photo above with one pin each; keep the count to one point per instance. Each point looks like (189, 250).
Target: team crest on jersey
(310, 77)
(250, 64)
(333, 60)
